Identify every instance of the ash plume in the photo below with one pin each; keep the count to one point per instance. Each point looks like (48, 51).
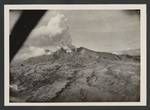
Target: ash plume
(54, 33)
(49, 37)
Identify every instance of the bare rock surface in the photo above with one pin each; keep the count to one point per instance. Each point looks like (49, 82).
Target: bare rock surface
(82, 75)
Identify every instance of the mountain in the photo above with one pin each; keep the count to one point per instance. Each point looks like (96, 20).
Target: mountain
(132, 52)
(82, 75)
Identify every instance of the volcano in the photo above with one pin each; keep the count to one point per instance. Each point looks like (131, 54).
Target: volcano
(82, 75)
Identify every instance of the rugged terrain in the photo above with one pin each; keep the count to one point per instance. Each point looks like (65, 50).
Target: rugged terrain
(82, 75)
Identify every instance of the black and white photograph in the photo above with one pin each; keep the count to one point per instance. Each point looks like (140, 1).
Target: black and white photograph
(80, 54)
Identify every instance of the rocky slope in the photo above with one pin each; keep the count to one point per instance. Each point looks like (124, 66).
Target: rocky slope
(82, 75)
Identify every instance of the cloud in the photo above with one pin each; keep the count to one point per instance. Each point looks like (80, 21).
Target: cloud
(56, 25)
(55, 32)
(35, 51)
(28, 52)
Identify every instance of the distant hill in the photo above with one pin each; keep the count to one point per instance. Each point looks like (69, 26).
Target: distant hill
(132, 52)
(78, 76)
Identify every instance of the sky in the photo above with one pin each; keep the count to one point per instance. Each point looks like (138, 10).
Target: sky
(99, 30)
(104, 30)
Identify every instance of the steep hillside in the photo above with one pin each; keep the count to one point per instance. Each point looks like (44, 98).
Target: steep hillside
(78, 76)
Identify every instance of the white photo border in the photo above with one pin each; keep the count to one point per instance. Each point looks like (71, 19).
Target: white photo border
(143, 51)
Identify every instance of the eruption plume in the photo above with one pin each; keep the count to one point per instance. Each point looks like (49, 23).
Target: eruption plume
(51, 36)
(54, 33)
